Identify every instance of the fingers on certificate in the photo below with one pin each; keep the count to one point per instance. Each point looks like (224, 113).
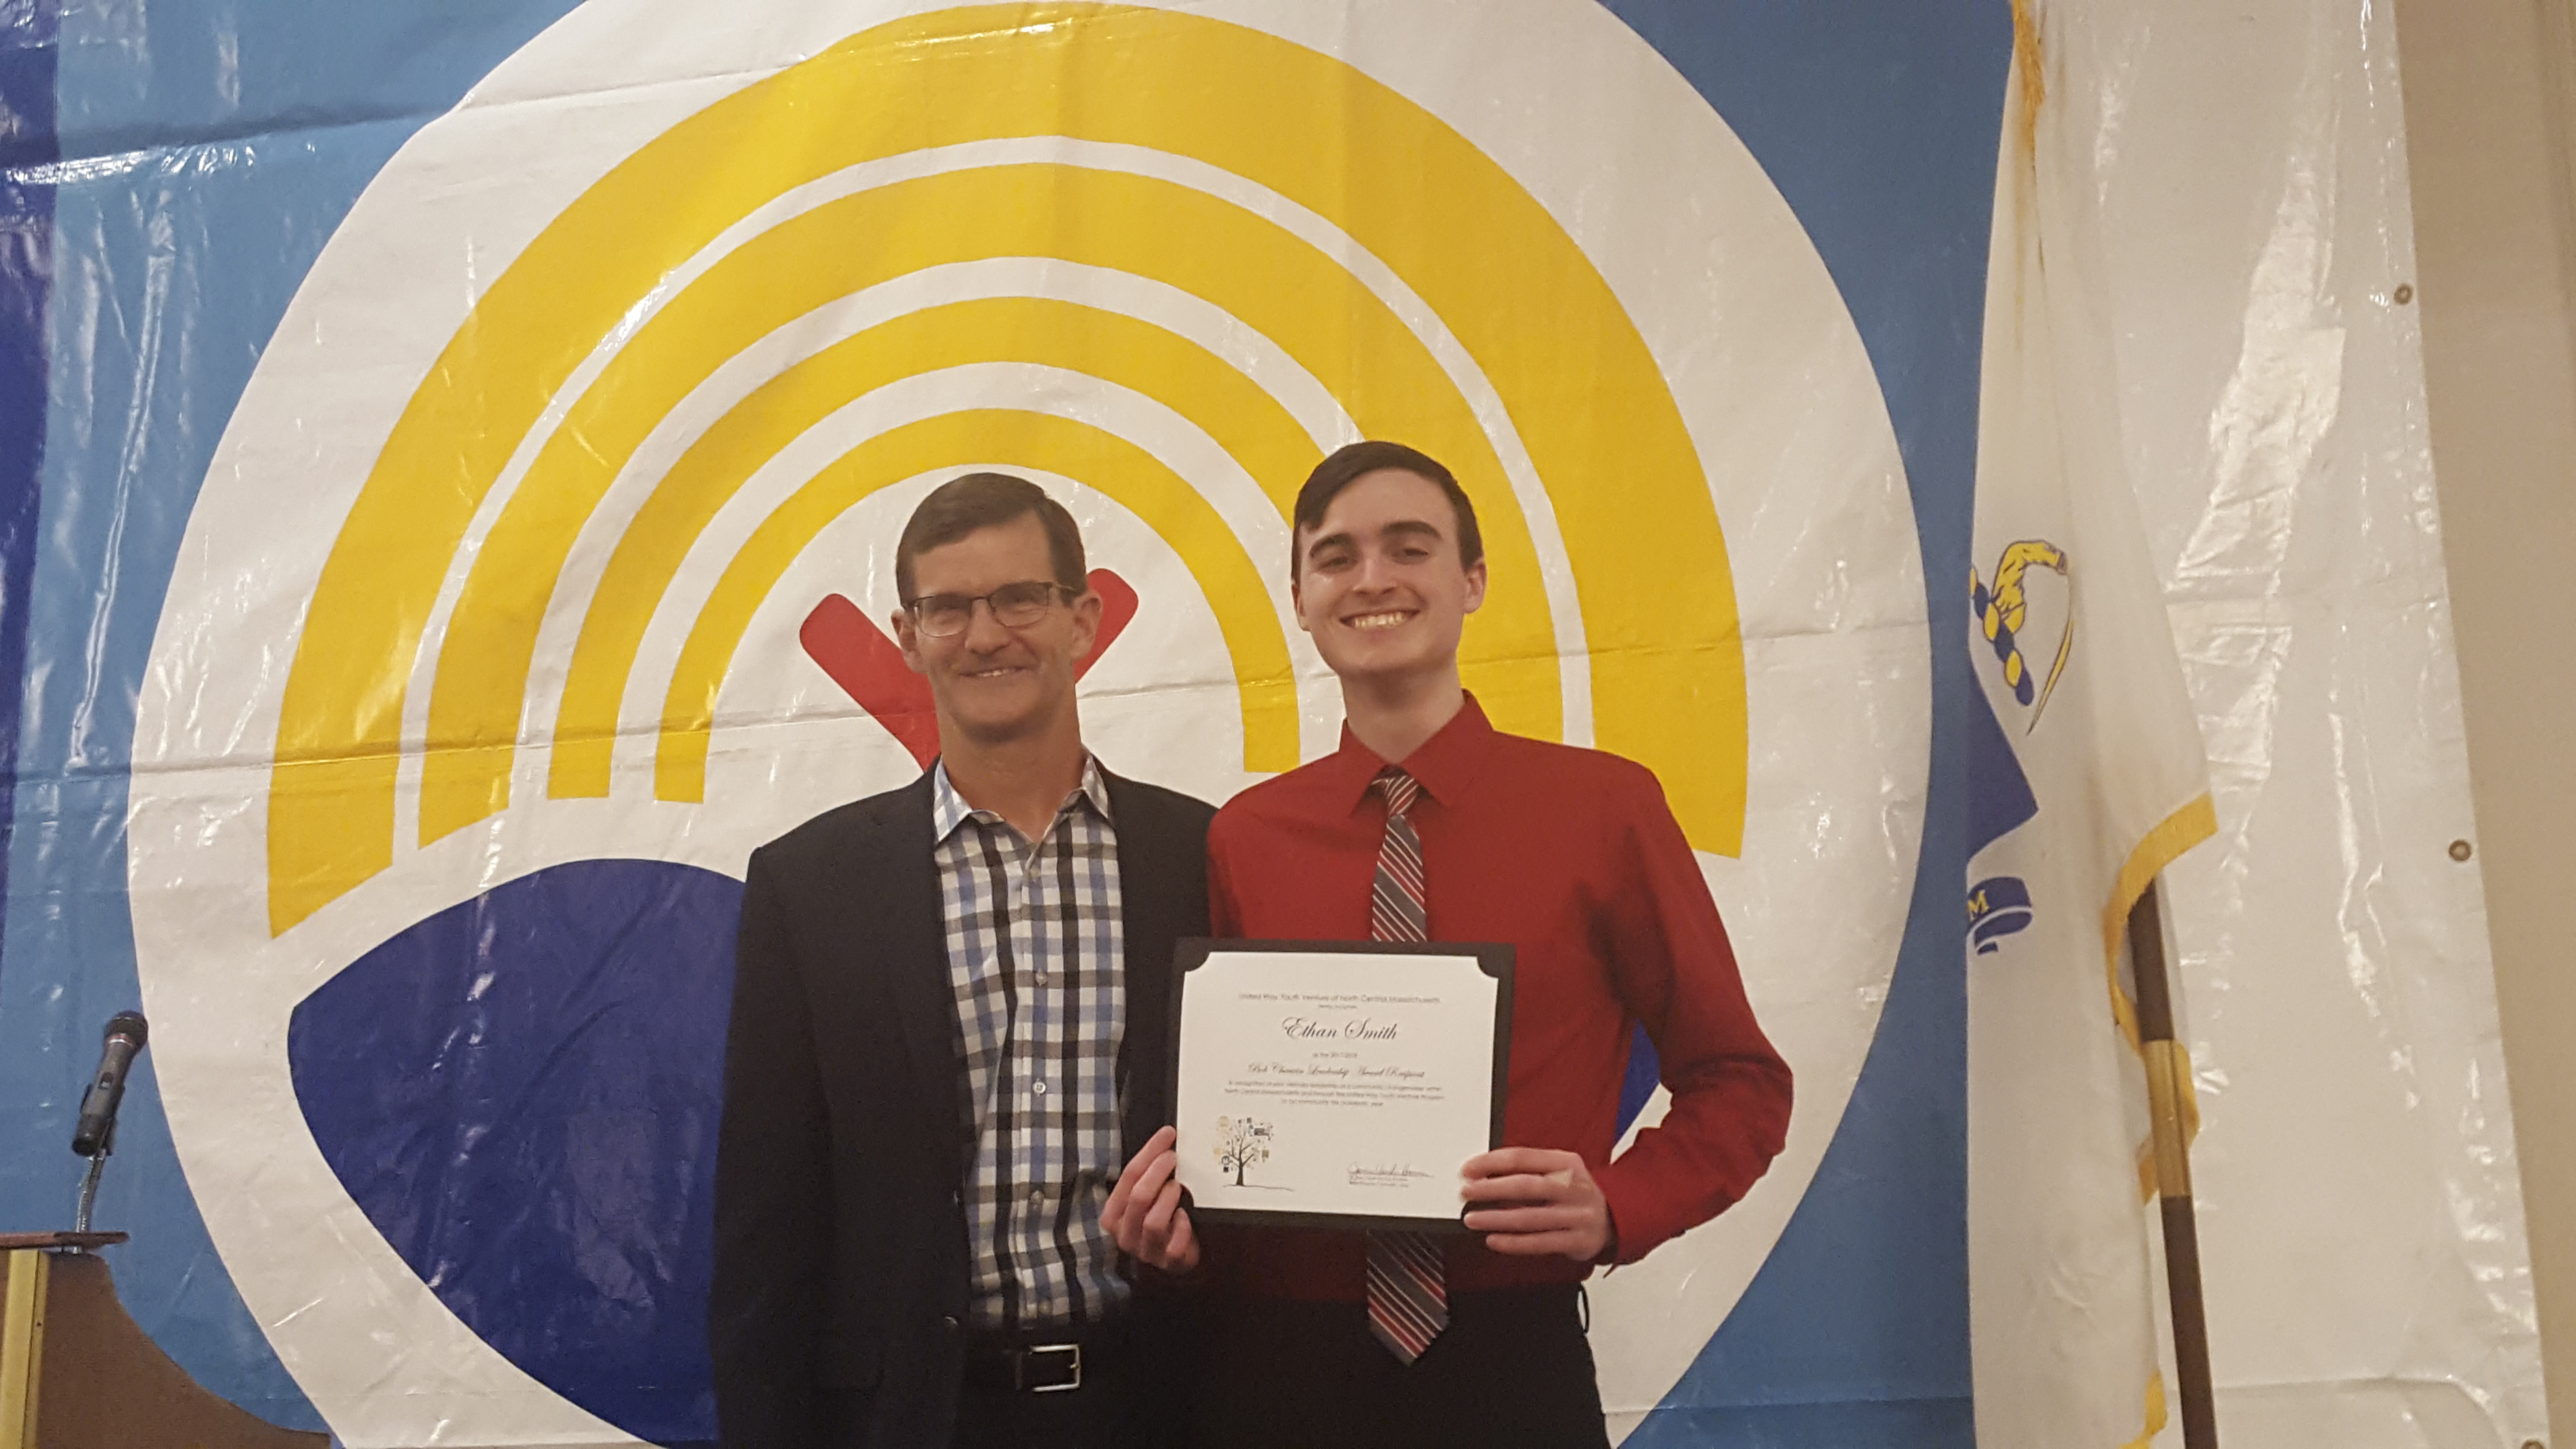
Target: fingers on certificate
(1144, 1213)
(1542, 1202)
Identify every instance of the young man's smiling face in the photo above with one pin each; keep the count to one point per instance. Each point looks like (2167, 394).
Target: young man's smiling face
(1379, 583)
(994, 682)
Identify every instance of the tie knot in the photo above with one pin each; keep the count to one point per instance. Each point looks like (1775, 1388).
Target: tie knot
(1399, 788)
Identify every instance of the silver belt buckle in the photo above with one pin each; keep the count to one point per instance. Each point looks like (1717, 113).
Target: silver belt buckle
(1020, 1368)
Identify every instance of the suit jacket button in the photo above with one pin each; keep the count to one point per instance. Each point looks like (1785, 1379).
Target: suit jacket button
(950, 1324)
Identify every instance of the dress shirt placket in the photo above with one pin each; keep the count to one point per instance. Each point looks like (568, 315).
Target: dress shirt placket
(1034, 947)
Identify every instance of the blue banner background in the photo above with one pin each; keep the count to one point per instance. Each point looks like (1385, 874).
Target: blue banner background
(174, 168)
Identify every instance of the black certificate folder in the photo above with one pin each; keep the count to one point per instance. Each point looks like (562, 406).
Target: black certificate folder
(1337, 1084)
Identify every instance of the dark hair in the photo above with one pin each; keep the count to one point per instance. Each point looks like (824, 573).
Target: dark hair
(960, 506)
(1354, 461)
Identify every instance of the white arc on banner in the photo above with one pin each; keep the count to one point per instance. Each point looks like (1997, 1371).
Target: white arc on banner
(2086, 777)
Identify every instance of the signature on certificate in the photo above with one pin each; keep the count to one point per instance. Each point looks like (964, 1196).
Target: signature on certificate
(1385, 1174)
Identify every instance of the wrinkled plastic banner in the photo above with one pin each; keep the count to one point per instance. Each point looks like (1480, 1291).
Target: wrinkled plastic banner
(2360, 1210)
(454, 454)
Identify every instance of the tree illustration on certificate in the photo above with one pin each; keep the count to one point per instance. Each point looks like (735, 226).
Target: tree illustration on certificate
(1240, 1143)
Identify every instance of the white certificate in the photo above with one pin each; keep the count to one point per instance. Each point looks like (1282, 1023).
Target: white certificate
(1331, 1084)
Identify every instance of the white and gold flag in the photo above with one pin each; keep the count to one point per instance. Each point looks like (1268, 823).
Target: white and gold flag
(2086, 778)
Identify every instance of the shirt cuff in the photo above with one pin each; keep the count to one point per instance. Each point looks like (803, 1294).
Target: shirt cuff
(1635, 1228)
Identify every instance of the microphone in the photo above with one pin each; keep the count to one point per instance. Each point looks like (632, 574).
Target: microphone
(125, 1033)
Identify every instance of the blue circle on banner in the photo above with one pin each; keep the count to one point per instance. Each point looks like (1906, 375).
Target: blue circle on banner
(522, 1093)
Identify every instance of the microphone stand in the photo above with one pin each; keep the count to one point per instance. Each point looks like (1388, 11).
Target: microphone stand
(89, 1182)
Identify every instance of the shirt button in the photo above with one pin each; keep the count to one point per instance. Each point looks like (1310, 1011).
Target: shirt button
(1037, 1194)
(1040, 1089)
(1041, 978)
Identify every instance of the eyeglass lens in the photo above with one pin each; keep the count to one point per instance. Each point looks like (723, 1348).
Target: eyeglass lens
(1015, 606)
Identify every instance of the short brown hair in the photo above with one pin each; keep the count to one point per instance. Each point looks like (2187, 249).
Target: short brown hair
(963, 505)
(1354, 461)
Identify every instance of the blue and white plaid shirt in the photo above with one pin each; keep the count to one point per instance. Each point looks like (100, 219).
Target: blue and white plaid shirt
(1037, 956)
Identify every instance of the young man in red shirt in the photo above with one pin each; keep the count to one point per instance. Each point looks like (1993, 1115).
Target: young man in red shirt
(1430, 824)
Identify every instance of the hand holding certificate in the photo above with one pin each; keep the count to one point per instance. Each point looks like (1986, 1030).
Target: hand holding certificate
(1330, 1084)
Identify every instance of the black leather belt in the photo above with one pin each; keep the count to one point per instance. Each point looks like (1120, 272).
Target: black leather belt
(1032, 1368)
(1046, 1361)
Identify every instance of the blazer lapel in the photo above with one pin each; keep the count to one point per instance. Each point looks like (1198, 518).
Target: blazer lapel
(900, 937)
(1152, 881)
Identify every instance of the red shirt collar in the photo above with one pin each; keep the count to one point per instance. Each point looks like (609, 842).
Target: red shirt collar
(1444, 764)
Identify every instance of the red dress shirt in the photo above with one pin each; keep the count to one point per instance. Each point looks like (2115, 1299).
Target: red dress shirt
(1571, 856)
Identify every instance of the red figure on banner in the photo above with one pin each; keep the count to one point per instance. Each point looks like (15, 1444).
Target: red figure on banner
(870, 669)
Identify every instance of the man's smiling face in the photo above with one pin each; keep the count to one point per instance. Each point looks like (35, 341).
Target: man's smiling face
(992, 682)
(1379, 584)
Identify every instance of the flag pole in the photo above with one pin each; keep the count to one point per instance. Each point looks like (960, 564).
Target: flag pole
(2166, 1086)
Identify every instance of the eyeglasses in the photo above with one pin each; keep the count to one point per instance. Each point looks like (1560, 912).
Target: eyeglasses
(1014, 606)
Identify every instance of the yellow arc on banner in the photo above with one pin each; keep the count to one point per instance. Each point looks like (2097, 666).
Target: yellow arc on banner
(1247, 422)
(1580, 399)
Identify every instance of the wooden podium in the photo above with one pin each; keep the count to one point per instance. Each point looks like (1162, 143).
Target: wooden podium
(77, 1373)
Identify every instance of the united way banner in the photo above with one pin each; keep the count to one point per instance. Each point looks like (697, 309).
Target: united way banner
(522, 474)
(453, 457)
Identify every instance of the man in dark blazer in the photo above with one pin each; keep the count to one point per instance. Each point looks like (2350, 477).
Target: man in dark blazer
(950, 1028)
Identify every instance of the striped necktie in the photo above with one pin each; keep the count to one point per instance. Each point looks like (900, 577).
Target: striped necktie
(1408, 1301)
